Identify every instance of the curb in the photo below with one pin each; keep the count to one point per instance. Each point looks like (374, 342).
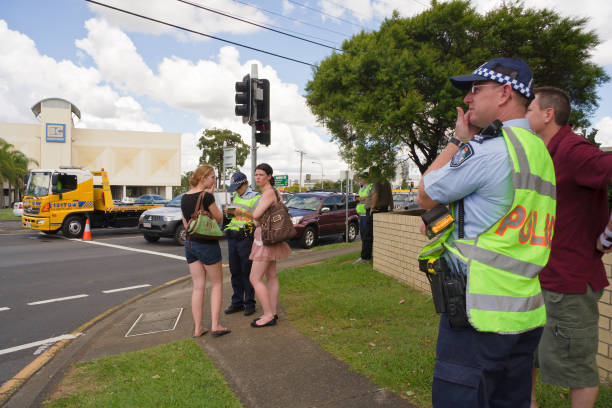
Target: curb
(11, 386)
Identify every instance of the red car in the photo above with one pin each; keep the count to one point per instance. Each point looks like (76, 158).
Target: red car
(319, 213)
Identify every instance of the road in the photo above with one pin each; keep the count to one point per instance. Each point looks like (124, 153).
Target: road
(52, 285)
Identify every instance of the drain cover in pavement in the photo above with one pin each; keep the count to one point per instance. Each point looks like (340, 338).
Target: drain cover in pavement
(155, 322)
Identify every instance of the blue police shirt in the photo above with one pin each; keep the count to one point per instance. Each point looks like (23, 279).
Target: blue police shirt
(481, 174)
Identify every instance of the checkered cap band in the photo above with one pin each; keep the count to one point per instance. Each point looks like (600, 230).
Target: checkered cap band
(505, 79)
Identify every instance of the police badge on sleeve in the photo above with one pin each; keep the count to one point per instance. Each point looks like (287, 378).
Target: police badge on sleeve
(465, 152)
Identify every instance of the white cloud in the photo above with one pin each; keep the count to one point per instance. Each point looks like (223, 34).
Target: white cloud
(27, 77)
(604, 136)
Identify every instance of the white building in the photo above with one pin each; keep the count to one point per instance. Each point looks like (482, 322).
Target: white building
(137, 162)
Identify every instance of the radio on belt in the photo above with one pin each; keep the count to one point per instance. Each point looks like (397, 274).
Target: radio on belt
(437, 220)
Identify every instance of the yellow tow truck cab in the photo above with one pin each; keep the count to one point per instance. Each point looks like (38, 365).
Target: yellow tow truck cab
(62, 199)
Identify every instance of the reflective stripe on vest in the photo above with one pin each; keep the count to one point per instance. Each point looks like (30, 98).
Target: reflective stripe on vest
(238, 221)
(503, 292)
(364, 191)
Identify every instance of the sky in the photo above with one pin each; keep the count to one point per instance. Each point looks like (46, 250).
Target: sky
(127, 73)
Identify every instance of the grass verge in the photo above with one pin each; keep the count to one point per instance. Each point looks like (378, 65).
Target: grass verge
(177, 374)
(383, 329)
(337, 245)
(7, 214)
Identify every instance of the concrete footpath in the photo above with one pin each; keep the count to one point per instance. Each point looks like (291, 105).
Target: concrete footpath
(271, 367)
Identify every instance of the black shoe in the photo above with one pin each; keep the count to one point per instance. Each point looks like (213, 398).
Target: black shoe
(233, 309)
(257, 326)
(249, 310)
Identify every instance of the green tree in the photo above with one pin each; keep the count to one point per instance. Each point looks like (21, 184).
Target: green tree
(212, 143)
(176, 190)
(389, 89)
(13, 168)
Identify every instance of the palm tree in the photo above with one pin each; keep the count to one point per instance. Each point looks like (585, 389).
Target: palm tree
(13, 167)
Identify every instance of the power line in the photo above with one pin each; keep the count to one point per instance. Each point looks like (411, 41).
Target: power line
(325, 14)
(257, 25)
(292, 19)
(199, 33)
(351, 10)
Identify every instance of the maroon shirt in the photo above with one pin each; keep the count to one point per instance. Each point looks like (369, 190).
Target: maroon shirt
(583, 172)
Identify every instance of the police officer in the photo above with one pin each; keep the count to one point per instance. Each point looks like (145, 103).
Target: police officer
(239, 234)
(499, 181)
(365, 201)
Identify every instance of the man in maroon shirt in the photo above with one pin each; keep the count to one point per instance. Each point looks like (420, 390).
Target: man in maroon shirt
(574, 278)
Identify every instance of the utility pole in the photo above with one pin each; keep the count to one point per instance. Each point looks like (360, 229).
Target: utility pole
(253, 141)
(300, 182)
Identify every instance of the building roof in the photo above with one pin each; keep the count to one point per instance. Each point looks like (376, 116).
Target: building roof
(55, 102)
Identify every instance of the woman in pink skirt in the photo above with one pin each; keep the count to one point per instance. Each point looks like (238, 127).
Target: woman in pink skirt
(264, 256)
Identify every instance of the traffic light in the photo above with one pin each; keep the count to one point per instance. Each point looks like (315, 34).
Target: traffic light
(411, 185)
(262, 132)
(243, 99)
(262, 100)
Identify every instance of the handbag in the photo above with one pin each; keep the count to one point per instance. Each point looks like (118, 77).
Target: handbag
(276, 224)
(201, 224)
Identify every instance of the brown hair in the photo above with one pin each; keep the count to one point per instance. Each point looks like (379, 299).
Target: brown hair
(203, 170)
(267, 169)
(558, 100)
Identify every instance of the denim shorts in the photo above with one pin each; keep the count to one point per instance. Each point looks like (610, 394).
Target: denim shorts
(208, 254)
(567, 351)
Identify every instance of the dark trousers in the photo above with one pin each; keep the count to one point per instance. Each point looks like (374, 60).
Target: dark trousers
(367, 235)
(240, 269)
(485, 370)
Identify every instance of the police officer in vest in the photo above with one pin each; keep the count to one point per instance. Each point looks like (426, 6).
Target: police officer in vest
(239, 234)
(499, 181)
(363, 208)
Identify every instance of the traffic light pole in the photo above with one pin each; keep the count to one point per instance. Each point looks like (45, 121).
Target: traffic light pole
(253, 141)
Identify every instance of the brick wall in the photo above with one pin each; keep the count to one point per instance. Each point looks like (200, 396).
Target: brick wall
(397, 243)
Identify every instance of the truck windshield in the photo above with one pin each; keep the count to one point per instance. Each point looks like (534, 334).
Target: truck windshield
(38, 184)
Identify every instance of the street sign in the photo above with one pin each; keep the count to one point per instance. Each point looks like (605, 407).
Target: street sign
(229, 157)
(281, 181)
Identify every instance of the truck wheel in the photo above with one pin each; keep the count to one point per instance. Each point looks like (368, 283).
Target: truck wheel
(180, 235)
(309, 239)
(151, 238)
(73, 226)
(352, 232)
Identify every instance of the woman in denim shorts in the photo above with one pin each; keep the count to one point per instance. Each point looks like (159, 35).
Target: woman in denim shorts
(203, 255)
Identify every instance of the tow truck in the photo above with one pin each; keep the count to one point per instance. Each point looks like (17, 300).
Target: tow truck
(64, 198)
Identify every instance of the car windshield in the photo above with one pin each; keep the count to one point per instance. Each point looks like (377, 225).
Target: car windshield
(175, 202)
(38, 184)
(400, 197)
(298, 202)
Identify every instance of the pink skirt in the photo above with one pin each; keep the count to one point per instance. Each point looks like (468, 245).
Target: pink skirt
(261, 252)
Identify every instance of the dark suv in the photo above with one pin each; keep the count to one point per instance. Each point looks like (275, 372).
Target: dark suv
(320, 213)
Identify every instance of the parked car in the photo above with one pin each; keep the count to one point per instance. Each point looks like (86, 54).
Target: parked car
(18, 209)
(286, 197)
(167, 221)
(405, 201)
(318, 213)
(151, 199)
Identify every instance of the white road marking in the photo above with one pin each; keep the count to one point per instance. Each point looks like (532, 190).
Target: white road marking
(127, 288)
(144, 251)
(39, 343)
(40, 302)
(2, 309)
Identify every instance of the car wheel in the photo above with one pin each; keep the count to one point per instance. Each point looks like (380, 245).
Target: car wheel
(309, 239)
(180, 235)
(353, 230)
(51, 232)
(151, 238)
(73, 226)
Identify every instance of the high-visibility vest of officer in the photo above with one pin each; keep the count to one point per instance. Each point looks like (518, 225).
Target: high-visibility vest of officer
(364, 191)
(503, 293)
(247, 201)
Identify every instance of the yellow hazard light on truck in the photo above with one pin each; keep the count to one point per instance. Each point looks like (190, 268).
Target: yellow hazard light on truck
(45, 208)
